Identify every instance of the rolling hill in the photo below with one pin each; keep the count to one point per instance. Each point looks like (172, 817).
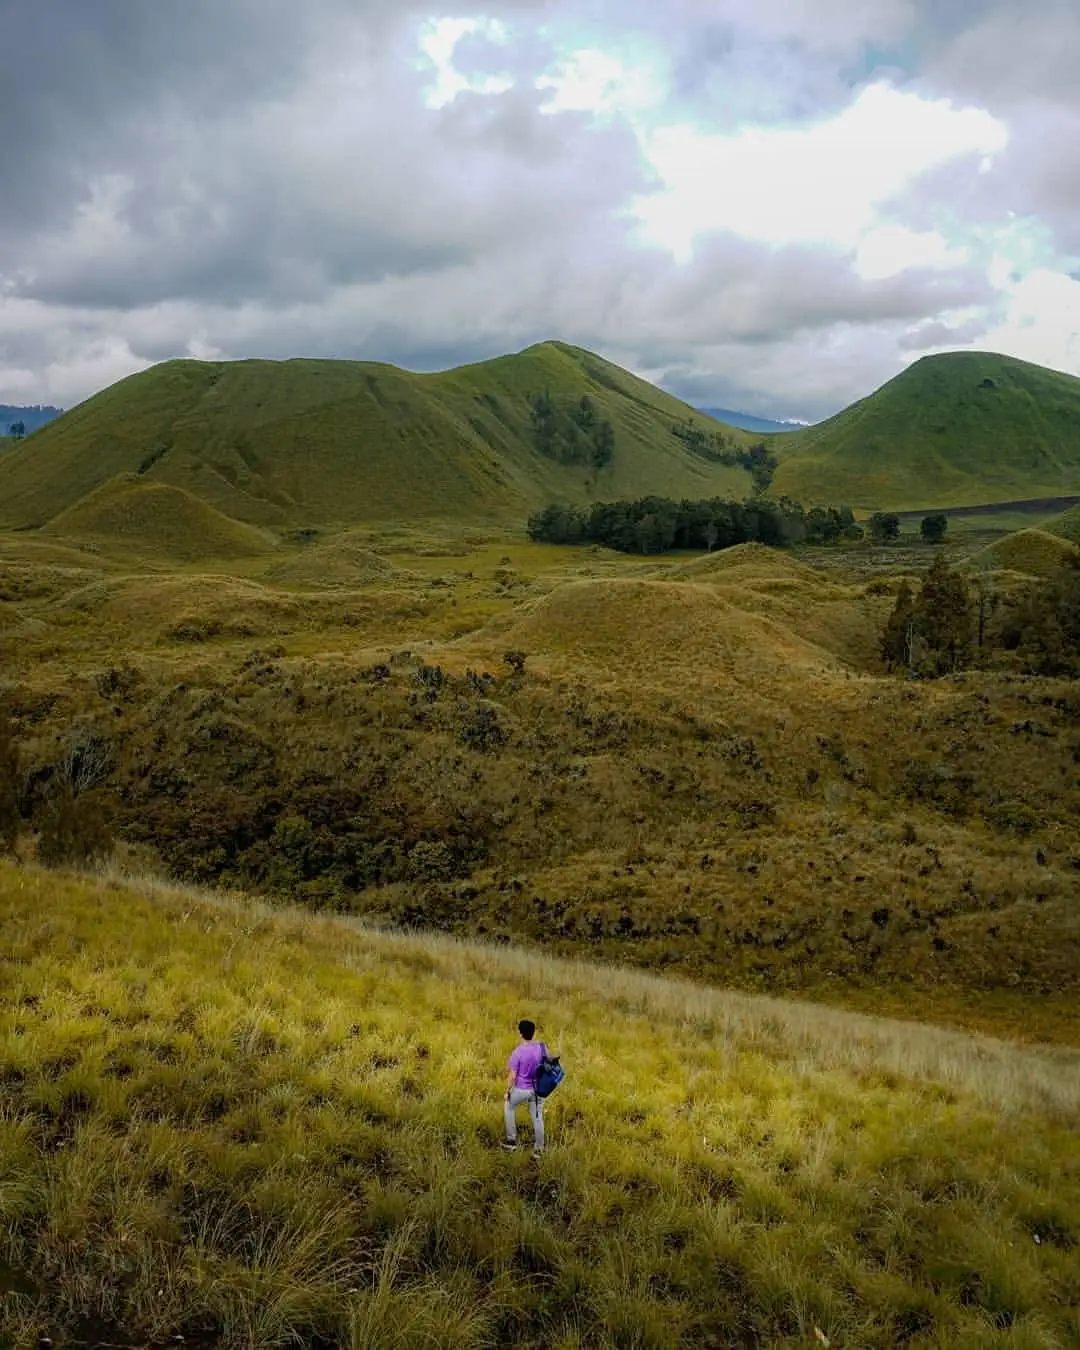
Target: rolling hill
(154, 518)
(313, 442)
(949, 431)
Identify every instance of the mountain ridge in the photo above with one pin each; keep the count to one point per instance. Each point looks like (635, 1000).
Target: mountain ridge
(314, 442)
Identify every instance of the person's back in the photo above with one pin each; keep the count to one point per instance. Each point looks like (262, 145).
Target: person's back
(522, 1068)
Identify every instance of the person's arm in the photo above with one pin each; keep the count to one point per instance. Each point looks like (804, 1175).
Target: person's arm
(511, 1078)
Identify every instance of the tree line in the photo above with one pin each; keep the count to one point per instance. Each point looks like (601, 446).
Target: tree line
(659, 524)
(720, 448)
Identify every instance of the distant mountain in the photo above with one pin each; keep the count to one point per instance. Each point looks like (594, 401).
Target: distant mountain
(951, 430)
(32, 417)
(303, 442)
(748, 422)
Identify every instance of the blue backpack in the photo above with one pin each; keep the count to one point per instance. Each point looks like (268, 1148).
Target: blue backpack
(550, 1073)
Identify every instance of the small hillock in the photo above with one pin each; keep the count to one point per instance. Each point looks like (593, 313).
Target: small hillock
(156, 521)
(1036, 553)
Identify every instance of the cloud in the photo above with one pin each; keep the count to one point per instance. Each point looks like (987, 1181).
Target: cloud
(770, 199)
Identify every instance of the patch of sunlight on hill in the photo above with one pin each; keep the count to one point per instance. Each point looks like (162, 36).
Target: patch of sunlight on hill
(252, 1128)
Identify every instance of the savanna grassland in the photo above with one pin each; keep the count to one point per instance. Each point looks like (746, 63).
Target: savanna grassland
(676, 807)
(251, 1127)
(695, 765)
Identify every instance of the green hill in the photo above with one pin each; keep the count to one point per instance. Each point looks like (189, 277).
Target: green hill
(951, 430)
(147, 518)
(304, 442)
(1066, 526)
(232, 1126)
(1035, 552)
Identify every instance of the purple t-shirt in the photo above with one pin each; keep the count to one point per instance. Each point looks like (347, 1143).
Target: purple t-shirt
(524, 1062)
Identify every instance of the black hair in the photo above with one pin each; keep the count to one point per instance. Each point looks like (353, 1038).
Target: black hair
(527, 1029)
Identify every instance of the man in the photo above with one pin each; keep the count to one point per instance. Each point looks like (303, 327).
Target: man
(521, 1087)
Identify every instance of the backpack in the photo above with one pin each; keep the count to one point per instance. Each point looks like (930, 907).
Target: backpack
(549, 1075)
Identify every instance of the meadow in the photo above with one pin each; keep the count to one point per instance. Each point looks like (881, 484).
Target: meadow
(691, 764)
(254, 1127)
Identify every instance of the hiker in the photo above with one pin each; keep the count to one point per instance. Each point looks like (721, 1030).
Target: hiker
(521, 1087)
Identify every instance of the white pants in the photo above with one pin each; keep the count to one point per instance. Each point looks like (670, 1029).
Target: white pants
(518, 1096)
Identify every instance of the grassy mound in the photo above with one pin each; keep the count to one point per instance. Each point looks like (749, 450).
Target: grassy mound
(156, 521)
(300, 443)
(1033, 552)
(648, 630)
(951, 430)
(740, 615)
(257, 1130)
(1066, 526)
(336, 563)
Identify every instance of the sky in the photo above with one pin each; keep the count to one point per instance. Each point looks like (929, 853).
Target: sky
(770, 205)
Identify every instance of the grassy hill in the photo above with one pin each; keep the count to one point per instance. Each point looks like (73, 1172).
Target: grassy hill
(155, 520)
(249, 1129)
(951, 430)
(1036, 553)
(307, 442)
(1066, 526)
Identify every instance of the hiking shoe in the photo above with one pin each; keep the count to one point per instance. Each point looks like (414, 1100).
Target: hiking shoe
(537, 1154)
(508, 1144)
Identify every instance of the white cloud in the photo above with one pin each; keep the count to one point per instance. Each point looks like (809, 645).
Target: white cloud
(600, 83)
(891, 249)
(824, 183)
(1042, 321)
(439, 41)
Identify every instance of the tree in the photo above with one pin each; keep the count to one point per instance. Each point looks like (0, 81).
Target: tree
(898, 639)
(17, 430)
(933, 528)
(943, 617)
(884, 527)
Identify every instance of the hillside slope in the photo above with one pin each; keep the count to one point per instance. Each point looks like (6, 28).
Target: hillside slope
(304, 442)
(249, 1129)
(951, 430)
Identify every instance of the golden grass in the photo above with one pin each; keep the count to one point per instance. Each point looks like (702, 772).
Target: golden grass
(260, 1128)
(133, 516)
(1032, 552)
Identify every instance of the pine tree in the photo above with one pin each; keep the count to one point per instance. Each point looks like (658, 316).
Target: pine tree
(898, 638)
(943, 618)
